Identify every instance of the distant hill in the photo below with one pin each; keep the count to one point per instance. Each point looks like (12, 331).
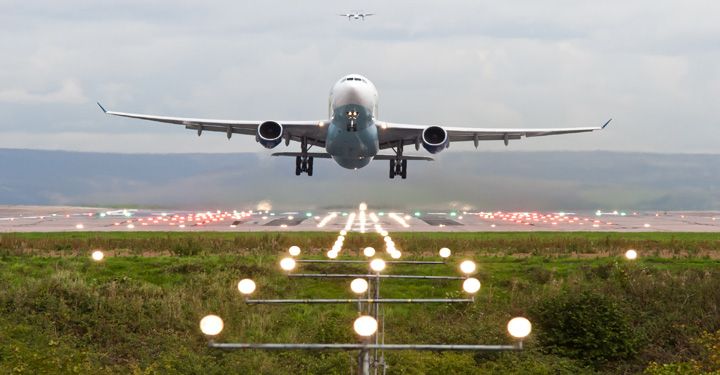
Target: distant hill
(484, 180)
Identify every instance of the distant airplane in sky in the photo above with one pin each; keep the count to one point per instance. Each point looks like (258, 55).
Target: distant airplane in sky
(352, 136)
(356, 15)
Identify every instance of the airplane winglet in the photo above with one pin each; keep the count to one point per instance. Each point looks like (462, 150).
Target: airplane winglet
(606, 124)
(101, 107)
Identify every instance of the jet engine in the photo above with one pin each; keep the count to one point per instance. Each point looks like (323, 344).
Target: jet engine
(269, 134)
(435, 139)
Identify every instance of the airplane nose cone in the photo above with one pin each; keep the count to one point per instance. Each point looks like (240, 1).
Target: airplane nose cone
(351, 93)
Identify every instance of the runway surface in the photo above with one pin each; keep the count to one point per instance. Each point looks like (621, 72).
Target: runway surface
(68, 219)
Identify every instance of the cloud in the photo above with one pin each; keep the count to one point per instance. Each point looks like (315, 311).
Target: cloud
(70, 92)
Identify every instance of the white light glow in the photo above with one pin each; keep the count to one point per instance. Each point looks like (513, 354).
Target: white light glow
(97, 255)
(471, 285)
(631, 254)
(445, 252)
(369, 252)
(377, 264)
(246, 286)
(332, 254)
(211, 325)
(396, 254)
(365, 326)
(467, 267)
(519, 327)
(287, 264)
(359, 286)
(79, 226)
(294, 250)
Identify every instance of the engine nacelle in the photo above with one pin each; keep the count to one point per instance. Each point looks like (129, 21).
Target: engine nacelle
(435, 139)
(269, 134)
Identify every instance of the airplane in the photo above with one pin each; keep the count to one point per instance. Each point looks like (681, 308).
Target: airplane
(356, 15)
(352, 135)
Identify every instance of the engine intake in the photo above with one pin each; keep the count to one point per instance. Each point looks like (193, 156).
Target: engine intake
(269, 134)
(435, 139)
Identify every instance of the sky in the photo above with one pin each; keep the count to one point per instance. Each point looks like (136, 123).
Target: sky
(650, 65)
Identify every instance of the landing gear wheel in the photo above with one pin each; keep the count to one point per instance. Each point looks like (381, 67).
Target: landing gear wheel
(298, 170)
(392, 168)
(403, 168)
(309, 166)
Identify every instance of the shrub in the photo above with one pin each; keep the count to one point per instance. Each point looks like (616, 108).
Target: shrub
(586, 326)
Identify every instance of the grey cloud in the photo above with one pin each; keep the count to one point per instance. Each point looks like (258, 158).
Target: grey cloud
(649, 64)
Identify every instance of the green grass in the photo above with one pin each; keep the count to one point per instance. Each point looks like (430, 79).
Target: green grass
(138, 313)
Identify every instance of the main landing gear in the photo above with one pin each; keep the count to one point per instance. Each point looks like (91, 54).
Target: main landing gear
(303, 163)
(398, 166)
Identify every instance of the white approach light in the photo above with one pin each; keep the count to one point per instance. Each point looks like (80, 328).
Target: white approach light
(467, 267)
(332, 254)
(369, 252)
(396, 254)
(519, 327)
(631, 254)
(359, 286)
(363, 206)
(365, 326)
(471, 285)
(79, 226)
(211, 325)
(287, 264)
(97, 255)
(294, 250)
(445, 252)
(377, 264)
(246, 286)
(343, 232)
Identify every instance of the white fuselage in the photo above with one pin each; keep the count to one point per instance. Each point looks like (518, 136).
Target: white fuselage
(352, 137)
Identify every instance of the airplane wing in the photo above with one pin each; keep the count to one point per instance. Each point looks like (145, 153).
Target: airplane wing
(314, 131)
(390, 134)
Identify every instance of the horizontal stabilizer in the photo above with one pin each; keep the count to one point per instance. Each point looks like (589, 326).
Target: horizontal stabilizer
(393, 157)
(320, 155)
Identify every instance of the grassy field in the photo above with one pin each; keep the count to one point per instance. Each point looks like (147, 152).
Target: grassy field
(138, 310)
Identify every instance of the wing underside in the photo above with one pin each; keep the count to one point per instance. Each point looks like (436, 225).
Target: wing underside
(391, 134)
(312, 131)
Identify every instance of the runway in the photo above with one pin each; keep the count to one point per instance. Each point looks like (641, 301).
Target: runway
(70, 219)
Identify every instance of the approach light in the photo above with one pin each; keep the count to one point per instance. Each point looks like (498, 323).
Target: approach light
(79, 226)
(211, 325)
(377, 264)
(631, 254)
(341, 238)
(471, 285)
(519, 327)
(332, 254)
(246, 286)
(287, 264)
(467, 267)
(365, 326)
(363, 206)
(294, 250)
(396, 254)
(445, 252)
(343, 232)
(97, 255)
(359, 286)
(369, 252)
(384, 233)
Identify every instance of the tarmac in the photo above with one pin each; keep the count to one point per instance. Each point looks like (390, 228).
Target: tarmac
(69, 219)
